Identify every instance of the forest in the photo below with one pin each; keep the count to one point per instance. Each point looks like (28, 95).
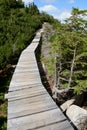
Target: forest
(69, 52)
(68, 47)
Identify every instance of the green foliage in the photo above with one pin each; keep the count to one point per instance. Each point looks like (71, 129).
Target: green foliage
(3, 124)
(50, 66)
(47, 18)
(80, 87)
(4, 127)
(69, 37)
(18, 25)
(77, 22)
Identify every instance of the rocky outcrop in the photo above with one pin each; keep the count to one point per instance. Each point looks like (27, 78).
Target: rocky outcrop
(78, 116)
(67, 104)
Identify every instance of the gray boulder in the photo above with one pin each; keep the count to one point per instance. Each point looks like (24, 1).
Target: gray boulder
(67, 104)
(77, 115)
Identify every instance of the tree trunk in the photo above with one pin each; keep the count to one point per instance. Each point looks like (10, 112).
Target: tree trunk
(72, 67)
(57, 71)
(57, 76)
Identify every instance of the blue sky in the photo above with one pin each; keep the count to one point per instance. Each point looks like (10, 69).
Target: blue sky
(60, 9)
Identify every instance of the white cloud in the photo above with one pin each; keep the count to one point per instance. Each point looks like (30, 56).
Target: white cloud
(28, 1)
(71, 1)
(49, 9)
(47, 1)
(55, 12)
(62, 15)
(65, 14)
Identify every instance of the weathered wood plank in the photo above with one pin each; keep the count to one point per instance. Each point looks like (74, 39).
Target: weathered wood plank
(29, 92)
(27, 67)
(30, 100)
(21, 84)
(34, 94)
(62, 125)
(30, 109)
(33, 45)
(21, 103)
(25, 57)
(17, 87)
(25, 77)
(30, 69)
(37, 120)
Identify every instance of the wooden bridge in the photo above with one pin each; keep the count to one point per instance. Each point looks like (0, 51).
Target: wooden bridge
(30, 107)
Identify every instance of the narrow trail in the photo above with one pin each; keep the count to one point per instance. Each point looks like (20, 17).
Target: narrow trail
(30, 106)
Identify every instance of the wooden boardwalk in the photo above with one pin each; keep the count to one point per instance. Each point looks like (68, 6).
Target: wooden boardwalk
(30, 107)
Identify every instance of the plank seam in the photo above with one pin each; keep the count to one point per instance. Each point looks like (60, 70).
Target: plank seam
(34, 113)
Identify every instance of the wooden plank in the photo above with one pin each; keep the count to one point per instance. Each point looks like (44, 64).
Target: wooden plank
(23, 59)
(37, 120)
(33, 45)
(27, 70)
(19, 85)
(25, 86)
(30, 71)
(36, 40)
(16, 87)
(25, 56)
(65, 125)
(62, 125)
(30, 100)
(28, 57)
(25, 81)
(26, 93)
(30, 109)
(25, 77)
(34, 94)
(22, 63)
(28, 66)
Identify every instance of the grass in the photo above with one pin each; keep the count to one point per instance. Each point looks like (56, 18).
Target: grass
(3, 116)
(4, 84)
